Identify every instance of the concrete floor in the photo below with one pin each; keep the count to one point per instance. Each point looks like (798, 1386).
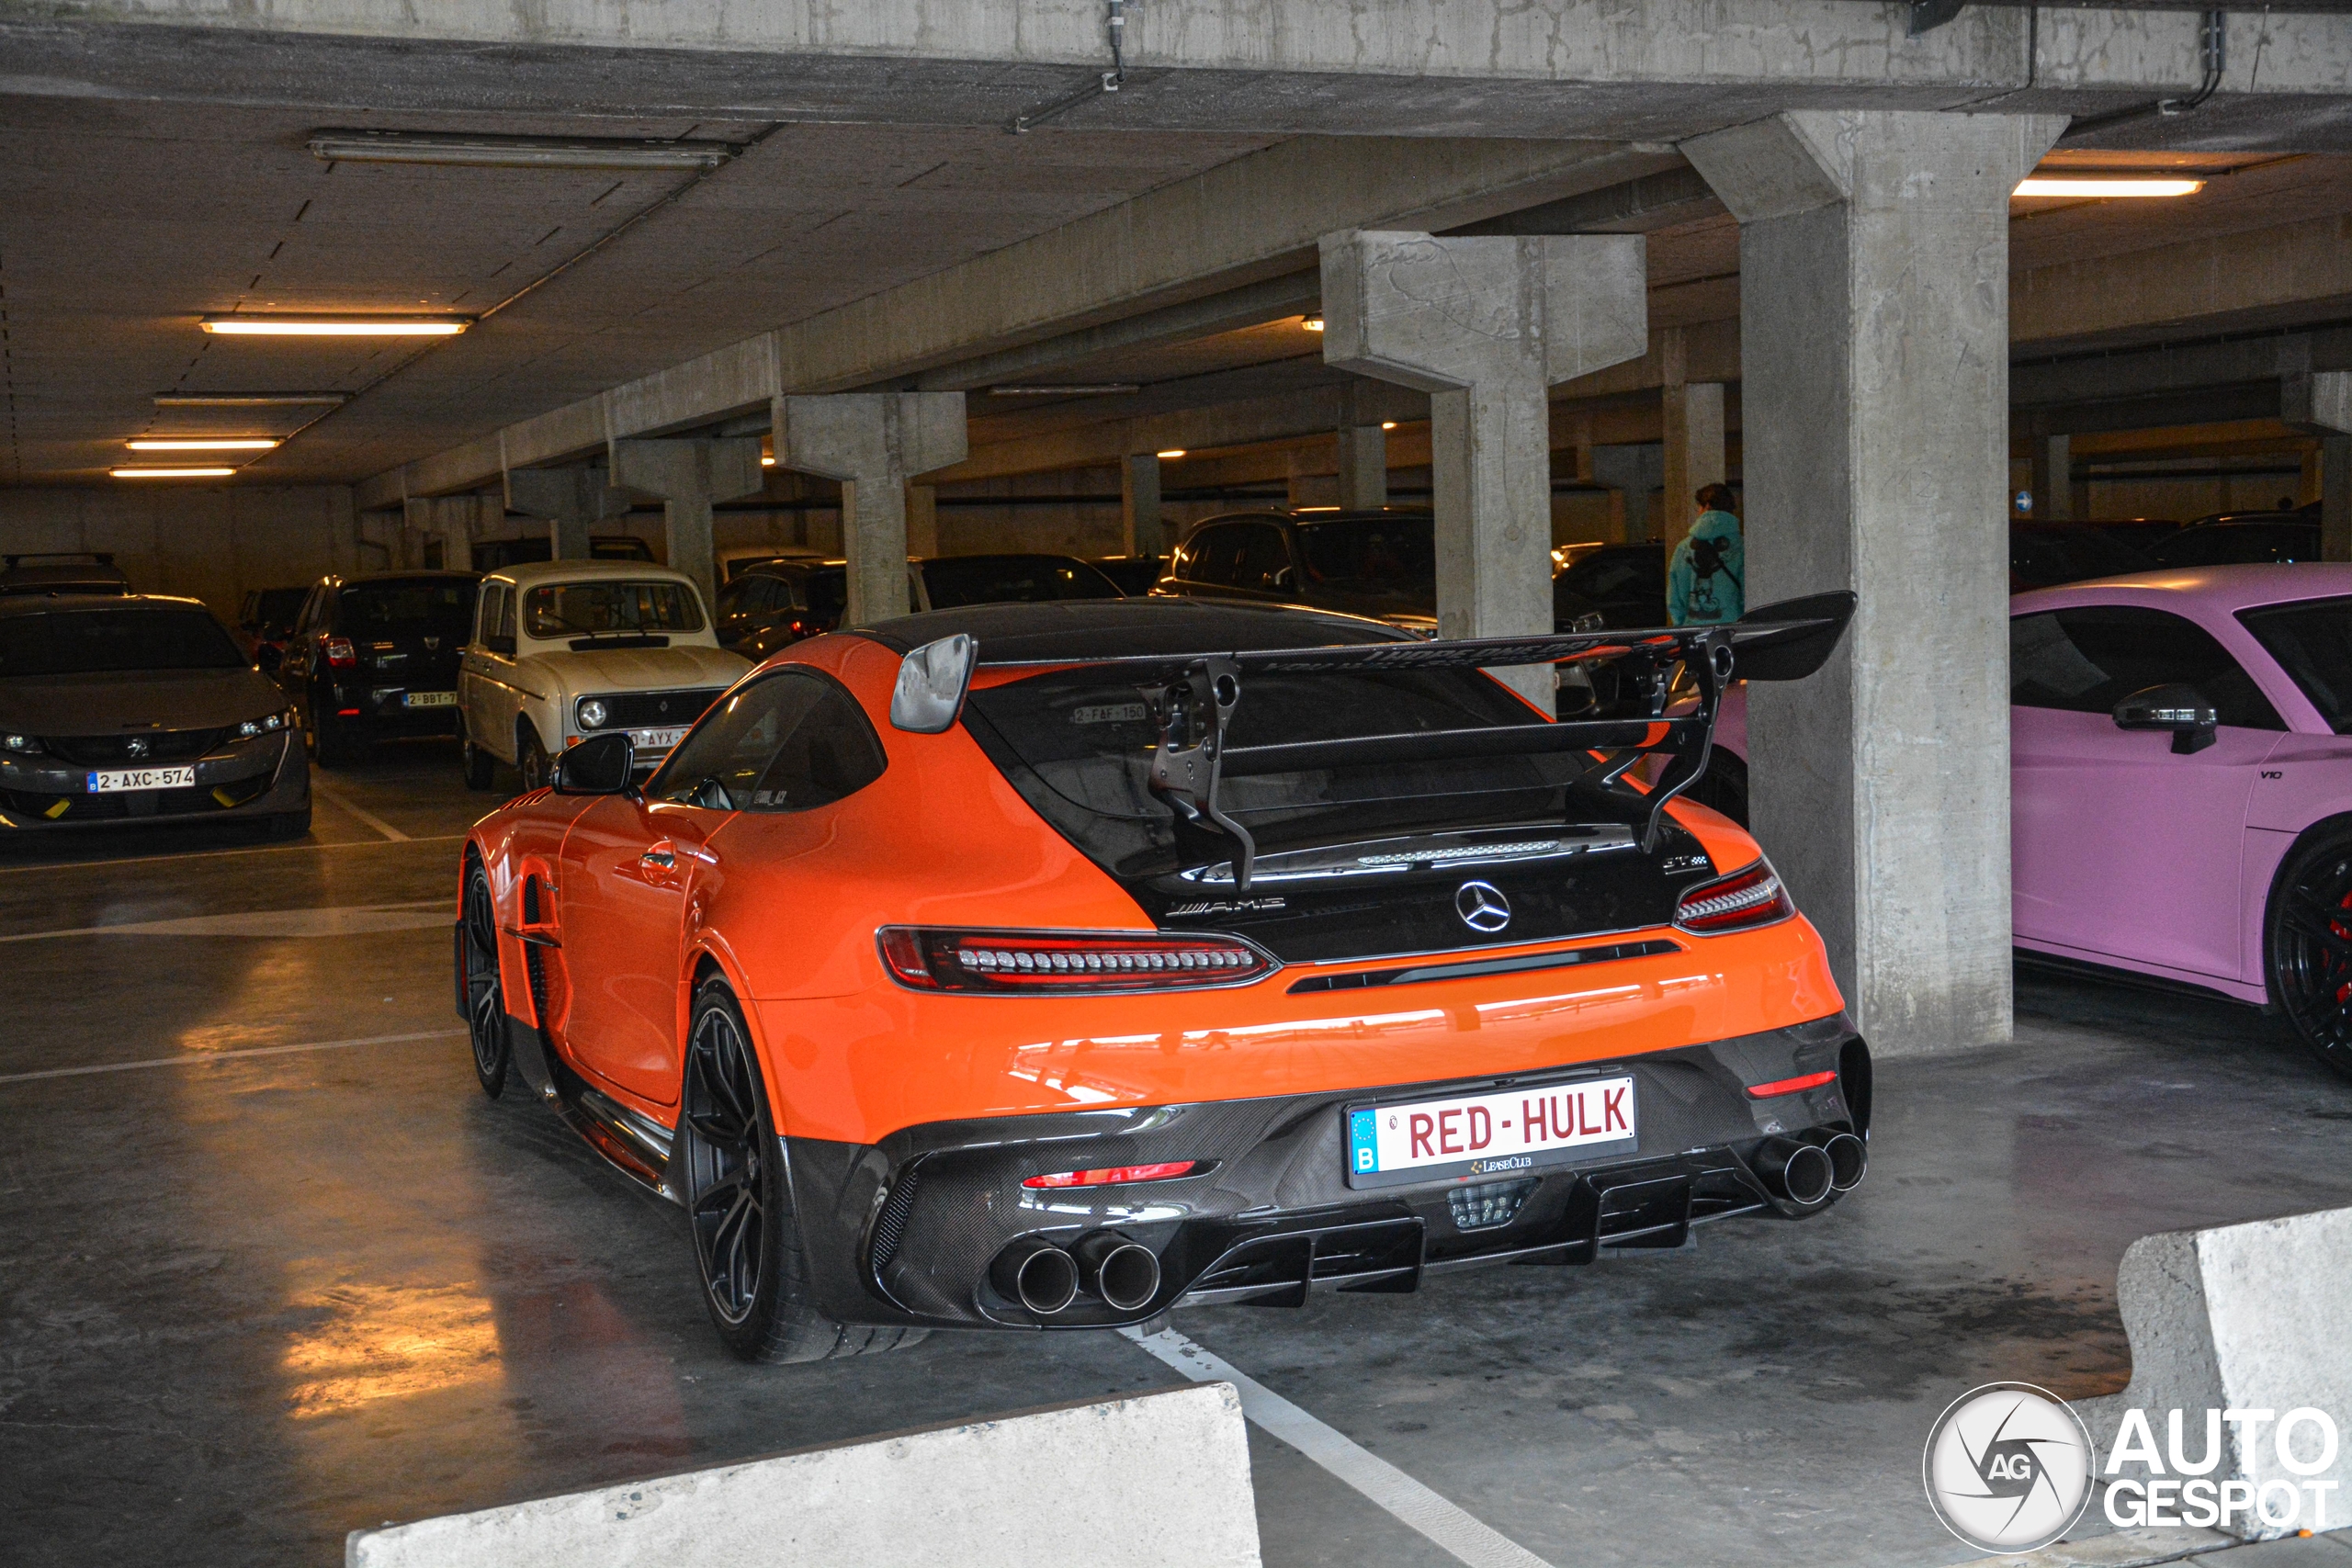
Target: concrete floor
(251, 1301)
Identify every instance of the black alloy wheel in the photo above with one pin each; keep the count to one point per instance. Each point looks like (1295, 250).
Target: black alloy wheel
(739, 1203)
(485, 1000)
(2308, 946)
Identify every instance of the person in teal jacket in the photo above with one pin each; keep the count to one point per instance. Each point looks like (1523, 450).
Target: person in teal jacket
(1705, 586)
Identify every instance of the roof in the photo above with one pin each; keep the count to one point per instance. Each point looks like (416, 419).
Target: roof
(423, 574)
(2225, 588)
(527, 574)
(1080, 629)
(37, 603)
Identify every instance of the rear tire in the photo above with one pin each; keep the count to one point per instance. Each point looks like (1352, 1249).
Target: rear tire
(481, 768)
(747, 1252)
(485, 997)
(330, 743)
(2307, 945)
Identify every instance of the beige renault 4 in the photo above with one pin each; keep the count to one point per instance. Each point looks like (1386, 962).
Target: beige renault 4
(562, 650)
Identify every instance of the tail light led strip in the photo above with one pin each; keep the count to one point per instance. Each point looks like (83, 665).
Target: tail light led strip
(1018, 963)
(1748, 897)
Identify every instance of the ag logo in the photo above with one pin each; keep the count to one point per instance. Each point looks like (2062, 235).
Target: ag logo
(2009, 1467)
(1482, 905)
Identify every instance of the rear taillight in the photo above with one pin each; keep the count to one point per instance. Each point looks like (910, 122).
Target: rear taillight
(1790, 1085)
(1749, 897)
(1115, 1175)
(1012, 963)
(341, 655)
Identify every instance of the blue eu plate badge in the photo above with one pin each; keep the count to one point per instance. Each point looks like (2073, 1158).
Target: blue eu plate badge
(1364, 1138)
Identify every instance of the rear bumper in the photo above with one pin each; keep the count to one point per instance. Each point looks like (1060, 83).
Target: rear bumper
(904, 1232)
(384, 710)
(268, 778)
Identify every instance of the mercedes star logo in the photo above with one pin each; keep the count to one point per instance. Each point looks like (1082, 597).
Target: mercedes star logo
(1482, 905)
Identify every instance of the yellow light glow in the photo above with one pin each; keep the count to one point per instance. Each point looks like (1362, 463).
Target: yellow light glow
(1312, 323)
(2110, 185)
(1171, 452)
(171, 473)
(364, 1344)
(1387, 424)
(338, 326)
(767, 462)
(202, 444)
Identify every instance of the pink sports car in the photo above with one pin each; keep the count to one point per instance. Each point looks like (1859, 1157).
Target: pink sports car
(2181, 765)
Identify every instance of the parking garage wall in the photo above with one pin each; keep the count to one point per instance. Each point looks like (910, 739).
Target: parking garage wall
(209, 541)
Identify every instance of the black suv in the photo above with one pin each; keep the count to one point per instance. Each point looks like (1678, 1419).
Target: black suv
(376, 655)
(1384, 564)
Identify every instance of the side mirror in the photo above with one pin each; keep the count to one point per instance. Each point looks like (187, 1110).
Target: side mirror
(2178, 707)
(599, 766)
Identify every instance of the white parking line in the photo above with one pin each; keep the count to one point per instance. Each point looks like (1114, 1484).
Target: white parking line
(1460, 1535)
(193, 1057)
(335, 799)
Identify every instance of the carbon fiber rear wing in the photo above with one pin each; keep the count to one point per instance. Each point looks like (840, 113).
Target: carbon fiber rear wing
(1192, 698)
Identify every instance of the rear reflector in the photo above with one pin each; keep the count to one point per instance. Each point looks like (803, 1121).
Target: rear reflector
(1790, 1085)
(1751, 895)
(1115, 1175)
(1065, 963)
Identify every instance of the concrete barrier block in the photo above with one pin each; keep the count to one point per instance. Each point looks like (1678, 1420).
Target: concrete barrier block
(1155, 1482)
(2247, 1317)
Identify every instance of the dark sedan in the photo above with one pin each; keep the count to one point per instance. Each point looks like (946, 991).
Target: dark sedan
(373, 657)
(133, 709)
(774, 604)
(2244, 539)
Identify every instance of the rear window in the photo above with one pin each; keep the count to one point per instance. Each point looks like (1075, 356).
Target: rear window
(586, 609)
(390, 609)
(2313, 642)
(85, 642)
(1078, 745)
(1012, 579)
(1380, 552)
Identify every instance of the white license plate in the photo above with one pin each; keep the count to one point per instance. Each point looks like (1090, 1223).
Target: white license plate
(1489, 1134)
(655, 740)
(105, 779)
(430, 700)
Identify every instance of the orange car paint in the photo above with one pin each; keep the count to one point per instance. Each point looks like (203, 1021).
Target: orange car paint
(787, 905)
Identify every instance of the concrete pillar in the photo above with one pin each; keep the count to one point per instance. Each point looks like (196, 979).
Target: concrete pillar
(1874, 355)
(570, 499)
(1632, 472)
(873, 443)
(1141, 531)
(923, 520)
(2054, 478)
(2320, 402)
(1363, 467)
(687, 476)
(455, 520)
(1485, 326)
(1692, 456)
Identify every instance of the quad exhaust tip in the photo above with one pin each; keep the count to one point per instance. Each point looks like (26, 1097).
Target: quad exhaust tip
(1125, 1274)
(1849, 1158)
(1803, 1173)
(1037, 1274)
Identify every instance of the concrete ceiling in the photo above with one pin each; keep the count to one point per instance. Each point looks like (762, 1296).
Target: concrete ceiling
(121, 223)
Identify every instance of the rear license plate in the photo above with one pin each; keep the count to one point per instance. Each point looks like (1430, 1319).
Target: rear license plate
(1495, 1133)
(105, 780)
(655, 740)
(430, 700)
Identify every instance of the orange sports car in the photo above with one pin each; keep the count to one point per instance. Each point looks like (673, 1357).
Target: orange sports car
(1051, 965)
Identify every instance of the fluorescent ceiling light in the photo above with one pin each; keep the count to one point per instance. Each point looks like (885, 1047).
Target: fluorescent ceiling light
(767, 462)
(1076, 390)
(1171, 452)
(2104, 185)
(516, 151)
(250, 400)
(1312, 323)
(171, 473)
(338, 326)
(202, 444)
(1387, 424)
